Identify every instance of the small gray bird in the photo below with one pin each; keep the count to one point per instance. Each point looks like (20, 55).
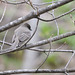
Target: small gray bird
(21, 34)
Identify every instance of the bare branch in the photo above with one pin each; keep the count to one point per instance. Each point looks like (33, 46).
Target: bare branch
(31, 4)
(4, 40)
(56, 23)
(42, 50)
(69, 60)
(61, 46)
(55, 20)
(43, 42)
(21, 71)
(33, 14)
(7, 43)
(35, 4)
(13, 3)
(3, 13)
(58, 16)
(52, 50)
(66, 73)
(41, 4)
(47, 55)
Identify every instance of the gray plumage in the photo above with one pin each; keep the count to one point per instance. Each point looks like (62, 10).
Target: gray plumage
(21, 34)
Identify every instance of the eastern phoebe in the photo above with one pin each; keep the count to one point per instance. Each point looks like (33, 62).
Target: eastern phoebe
(21, 34)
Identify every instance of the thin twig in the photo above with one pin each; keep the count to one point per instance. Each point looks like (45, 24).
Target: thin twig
(41, 4)
(4, 40)
(31, 4)
(43, 42)
(46, 57)
(17, 3)
(56, 24)
(66, 73)
(6, 43)
(58, 16)
(14, 3)
(61, 46)
(54, 20)
(52, 50)
(42, 50)
(3, 13)
(70, 60)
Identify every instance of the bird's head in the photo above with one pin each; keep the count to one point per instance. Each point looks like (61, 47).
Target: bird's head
(28, 26)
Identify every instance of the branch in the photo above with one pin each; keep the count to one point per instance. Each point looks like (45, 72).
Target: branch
(42, 50)
(3, 13)
(43, 42)
(70, 60)
(17, 3)
(57, 17)
(52, 50)
(7, 43)
(21, 71)
(14, 3)
(4, 40)
(33, 14)
(45, 3)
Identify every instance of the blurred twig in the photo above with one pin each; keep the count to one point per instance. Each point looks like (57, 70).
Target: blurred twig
(70, 60)
(47, 55)
(45, 3)
(42, 50)
(13, 3)
(52, 50)
(6, 43)
(21, 71)
(22, 2)
(58, 16)
(3, 13)
(43, 42)
(4, 40)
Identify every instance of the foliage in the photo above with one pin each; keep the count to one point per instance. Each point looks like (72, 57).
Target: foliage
(54, 60)
(47, 31)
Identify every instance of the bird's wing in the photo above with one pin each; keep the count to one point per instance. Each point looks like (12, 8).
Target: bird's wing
(24, 36)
